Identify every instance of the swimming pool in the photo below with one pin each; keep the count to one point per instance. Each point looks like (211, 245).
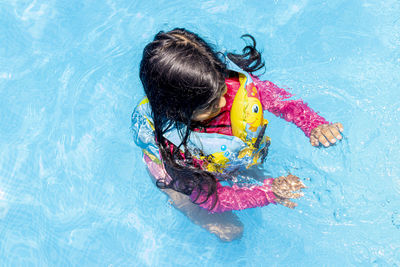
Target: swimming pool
(74, 191)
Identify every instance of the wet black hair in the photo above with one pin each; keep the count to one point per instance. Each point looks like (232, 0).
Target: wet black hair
(182, 74)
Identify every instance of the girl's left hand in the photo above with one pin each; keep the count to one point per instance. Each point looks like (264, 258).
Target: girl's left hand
(286, 188)
(326, 134)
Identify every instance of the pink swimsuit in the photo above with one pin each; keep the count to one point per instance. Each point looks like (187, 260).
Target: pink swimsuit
(273, 99)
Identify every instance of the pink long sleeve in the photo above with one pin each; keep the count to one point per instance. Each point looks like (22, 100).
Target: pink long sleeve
(229, 198)
(275, 100)
(236, 198)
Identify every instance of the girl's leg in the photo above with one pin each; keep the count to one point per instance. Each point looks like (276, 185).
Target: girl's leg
(226, 225)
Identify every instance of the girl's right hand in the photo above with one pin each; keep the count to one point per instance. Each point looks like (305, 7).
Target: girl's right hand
(285, 188)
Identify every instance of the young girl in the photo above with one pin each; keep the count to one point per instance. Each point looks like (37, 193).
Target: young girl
(186, 129)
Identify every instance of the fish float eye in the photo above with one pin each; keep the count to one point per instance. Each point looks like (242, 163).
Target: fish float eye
(255, 108)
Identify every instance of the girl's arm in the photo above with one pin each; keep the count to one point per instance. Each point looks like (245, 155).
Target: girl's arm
(229, 198)
(275, 100)
(235, 197)
(279, 190)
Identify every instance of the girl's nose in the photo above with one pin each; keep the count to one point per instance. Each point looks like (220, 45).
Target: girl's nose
(222, 102)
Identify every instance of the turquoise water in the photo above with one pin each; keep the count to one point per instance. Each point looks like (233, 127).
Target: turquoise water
(74, 191)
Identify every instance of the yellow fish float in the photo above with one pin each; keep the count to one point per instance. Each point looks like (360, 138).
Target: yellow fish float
(248, 124)
(247, 120)
(247, 117)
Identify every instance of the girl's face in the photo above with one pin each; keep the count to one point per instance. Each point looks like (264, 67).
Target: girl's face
(213, 110)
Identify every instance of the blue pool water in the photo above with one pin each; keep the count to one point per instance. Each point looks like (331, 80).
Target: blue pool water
(73, 188)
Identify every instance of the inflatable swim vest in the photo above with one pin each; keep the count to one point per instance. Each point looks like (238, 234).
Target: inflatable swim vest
(219, 153)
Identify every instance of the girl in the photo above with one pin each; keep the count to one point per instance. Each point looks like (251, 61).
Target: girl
(184, 128)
